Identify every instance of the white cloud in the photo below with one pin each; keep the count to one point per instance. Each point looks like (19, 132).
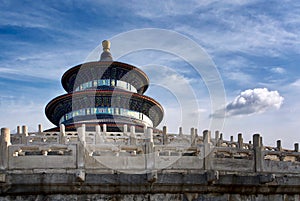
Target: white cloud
(252, 101)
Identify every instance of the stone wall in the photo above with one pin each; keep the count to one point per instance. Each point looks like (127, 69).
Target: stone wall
(102, 165)
(153, 197)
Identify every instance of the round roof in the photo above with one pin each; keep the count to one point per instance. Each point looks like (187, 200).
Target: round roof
(90, 71)
(66, 103)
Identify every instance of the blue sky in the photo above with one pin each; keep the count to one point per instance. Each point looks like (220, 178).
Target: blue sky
(253, 44)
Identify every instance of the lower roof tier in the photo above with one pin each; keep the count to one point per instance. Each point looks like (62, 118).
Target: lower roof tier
(93, 99)
(107, 115)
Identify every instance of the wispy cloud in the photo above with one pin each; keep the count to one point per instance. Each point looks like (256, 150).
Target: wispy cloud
(278, 70)
(260, 36)
(239, 77)
(149, 9)
(296, 83)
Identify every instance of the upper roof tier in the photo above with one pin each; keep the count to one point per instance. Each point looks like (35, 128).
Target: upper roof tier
(101, 70)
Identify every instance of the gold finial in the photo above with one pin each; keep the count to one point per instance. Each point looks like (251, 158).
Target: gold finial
(106, 55)
(106, 45)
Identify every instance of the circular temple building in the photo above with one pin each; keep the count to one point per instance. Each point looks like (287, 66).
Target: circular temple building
(105, 92)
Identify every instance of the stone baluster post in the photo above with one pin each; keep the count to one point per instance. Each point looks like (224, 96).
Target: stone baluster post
(99, 138)
(24, 134)
(279, 148)
(221, 139)
(81, 147)
(4, 143)
(240, 141)
(256, 140)
(40, 128)
(217, 138)
(258, 152)
(207, 136)
(132, 137)
(278, 145)
(165, 136)
(296, 147)
(150, 135)
(193, 137)
(104, 128)
(125, 129)
(19, 130)
(25, 130)
(207, 149)
(81, 134)
(62, 134)
(180, 131)
(232, 141)
(149, 150)
(19, 135)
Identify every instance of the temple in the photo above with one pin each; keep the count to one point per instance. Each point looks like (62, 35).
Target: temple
(107, 93)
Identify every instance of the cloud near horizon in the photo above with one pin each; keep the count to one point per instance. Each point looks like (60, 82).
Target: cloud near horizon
(252, 101)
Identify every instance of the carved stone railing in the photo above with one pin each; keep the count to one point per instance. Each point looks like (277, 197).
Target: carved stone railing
(147, 151)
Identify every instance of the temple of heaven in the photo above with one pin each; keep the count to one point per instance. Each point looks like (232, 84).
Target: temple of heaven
(106, 93)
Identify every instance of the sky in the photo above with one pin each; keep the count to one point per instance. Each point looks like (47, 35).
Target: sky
(233, 62)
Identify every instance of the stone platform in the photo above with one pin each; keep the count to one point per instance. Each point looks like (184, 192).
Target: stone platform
(103, 165)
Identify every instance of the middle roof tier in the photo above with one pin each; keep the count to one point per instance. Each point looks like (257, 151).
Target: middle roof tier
(64, 104)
